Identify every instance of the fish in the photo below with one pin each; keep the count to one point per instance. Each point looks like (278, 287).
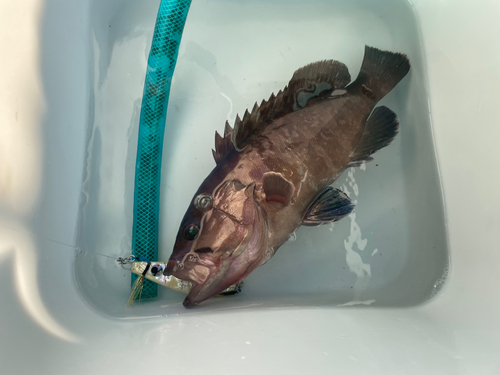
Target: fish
(275, 167)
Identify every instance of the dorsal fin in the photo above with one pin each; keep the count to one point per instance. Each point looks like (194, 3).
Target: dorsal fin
(223, 145)
(316, 79)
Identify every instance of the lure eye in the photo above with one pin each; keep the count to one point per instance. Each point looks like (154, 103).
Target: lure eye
(203, 202)
(156, 269)
(191, 232)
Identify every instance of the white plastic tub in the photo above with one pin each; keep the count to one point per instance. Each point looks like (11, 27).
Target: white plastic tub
(362, 297)
(391, 252)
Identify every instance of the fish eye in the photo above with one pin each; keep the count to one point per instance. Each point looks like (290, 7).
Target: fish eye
(203, 202)
(191, 232)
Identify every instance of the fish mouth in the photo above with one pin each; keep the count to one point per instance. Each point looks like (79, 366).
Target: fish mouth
(209, 275)
(233, 269)
(215, 283)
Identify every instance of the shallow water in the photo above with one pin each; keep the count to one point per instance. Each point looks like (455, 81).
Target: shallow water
(391, 252)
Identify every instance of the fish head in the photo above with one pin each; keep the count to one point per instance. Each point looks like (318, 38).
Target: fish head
(223, 240)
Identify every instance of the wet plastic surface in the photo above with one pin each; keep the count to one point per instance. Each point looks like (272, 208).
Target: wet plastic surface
(47, 325)
(391, 252)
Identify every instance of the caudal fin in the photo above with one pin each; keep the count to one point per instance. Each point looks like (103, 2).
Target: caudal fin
(380, 72)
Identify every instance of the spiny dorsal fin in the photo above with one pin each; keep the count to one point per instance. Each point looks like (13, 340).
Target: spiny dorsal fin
(379, 132)
(316, 79)
(223, 145)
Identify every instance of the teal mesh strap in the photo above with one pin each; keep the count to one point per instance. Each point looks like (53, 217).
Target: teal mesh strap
(161, 63)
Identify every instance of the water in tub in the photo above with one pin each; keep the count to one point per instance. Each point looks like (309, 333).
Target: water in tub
(232, 55)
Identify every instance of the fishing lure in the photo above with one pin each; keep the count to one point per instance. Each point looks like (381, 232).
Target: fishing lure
(154, 271)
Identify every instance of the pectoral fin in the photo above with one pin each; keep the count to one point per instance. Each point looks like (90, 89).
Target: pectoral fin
(331, 205)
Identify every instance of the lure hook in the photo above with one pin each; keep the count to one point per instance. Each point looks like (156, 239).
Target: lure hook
(124, 261)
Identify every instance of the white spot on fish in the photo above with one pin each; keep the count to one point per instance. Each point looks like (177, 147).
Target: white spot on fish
(375, 252)
(300, 183)
(268, 255)
(338, 92)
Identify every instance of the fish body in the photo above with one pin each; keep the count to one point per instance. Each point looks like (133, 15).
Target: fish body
(275, 168)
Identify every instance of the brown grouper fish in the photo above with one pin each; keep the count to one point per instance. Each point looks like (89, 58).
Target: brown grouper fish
(275, 168)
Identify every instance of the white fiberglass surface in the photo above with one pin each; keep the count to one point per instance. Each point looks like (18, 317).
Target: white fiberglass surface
(392, 252)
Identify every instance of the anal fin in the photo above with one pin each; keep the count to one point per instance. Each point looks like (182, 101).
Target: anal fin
(331, 205)
(380, 130)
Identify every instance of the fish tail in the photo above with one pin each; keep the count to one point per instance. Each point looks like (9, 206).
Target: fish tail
(380, 72)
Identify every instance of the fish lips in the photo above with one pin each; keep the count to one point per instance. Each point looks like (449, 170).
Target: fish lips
(245, 258)
(209, 275)
(211, 286)
(208, 278)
